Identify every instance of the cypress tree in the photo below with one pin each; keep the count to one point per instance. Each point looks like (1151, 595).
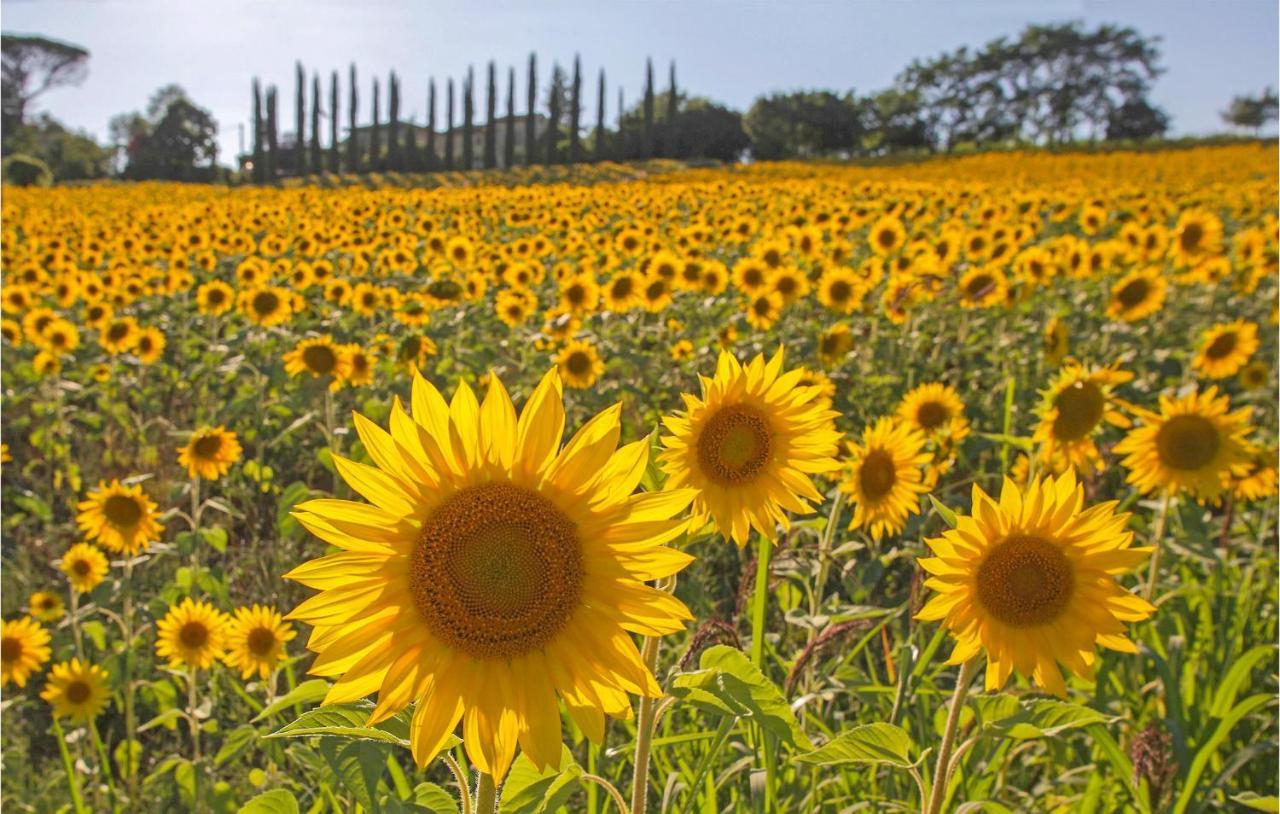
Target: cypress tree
(273, 144)
(620, 149)
(448, 133)
(575, 111)
(490, 126)
(669, 142)
(259, 153)
(531, 108)
(553, 117)
(317, 161)
(600, 136)
(375, 133)
(393, 125)
(468, 113)
(509, 145)
(646, 142)
(430, 161)
(353, 144)
(300, 130)
(333, 122)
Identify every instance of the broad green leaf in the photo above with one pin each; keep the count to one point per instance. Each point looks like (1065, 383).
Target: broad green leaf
(869, 743)
(729, 683)
(1256, 802)
(529, 791)
(276, 801)
(358, 765)
(345, 721)
(128, 756)
(237, 741)
(435, 799)
(1042, 718)
(307, 692)
(216, 538)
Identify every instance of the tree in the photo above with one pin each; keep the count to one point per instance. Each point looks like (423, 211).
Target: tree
(646, 143)
(894, 123)
(448, 137)
(300, 118)
(1252, 112)
(273, 144)
(353, 99)
(68, 155)
(375, 132)
(575, 111)
(673, 104)
(317, 159)
(491, 126)
(393, 123)
(704, 129)
(601, 137)
(555, 96)
(531, 108)
(333, 122)
(509, 144)
(802, 124)
(1137, 119)
(468, 113)
(30, 66)
(259, 136)
(178, 141)
(431, 162)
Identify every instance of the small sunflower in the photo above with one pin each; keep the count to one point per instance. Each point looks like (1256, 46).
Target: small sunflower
(749, 445)
(255, 640)
(192, 635)
(24, 647)
(1194, 445)
(1031, 580)
(1226, 348)
(119, 335)
(834, 344)
(936, 410)
(85, 566)
(46, 606)
(268, 306)
(210, 452)
(1057, 342)
(1255, 375)
(763, 309)
(884, 478)
(320, 358)
(77, 690)
(121, 518)
(1073, 407)
(149, 346)
(580, 365)
(1137, 295)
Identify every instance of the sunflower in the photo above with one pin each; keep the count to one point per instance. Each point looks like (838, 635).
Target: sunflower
(1077, 402)
(210, 452)
(255, 640)
(361, 363)
(763, 309)
(750, 275)
(266, 306)
(834, 344)
(150, 345)
(77, 690)
(1226, 348)
(47, 606)
(749, 445)
(982, 287)
(192, 635)
(840, 290)
(1137, 294)
(937, 411)
(622, 292)
(119, 335)
(24, 647)
(1057, 342)
(121, 518)
(492, 572)
(789, 283)
(85, 566)
(320, 358)
(884, 477)
(1030, 580)
(681, 350)
(1258, 481)
(1255, 375)
(886, 236)
(1197, 235)
(1194, 444)
(579, 364)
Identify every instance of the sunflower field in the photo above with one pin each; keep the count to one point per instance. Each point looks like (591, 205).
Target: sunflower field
(946, 486)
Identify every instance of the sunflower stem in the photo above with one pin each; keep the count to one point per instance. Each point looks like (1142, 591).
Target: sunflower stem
(644, 734)
(614, 794)
(105, 763)
(72, 785)
(1157, 536)
(195, 530)
(486, 794)
(195, 735)
(760, 600)
(459, 777)
(938, 793)
(74, 621)
(130, 722)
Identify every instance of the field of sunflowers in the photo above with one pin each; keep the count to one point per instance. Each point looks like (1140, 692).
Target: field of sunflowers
(947, 486)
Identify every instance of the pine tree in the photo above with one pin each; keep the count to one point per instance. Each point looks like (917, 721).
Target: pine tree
(669, 140)
(530, 122)
(333, 122)
(353, 144)
(553, 117)
(575, 112)
(448, 134)
(317, 161)
(300, 130)
(429, 159)
(468, 113)
(490, 126)
(259, 133)
(646, 143)
(375, 132)
(600, 153)
(393, 125)
(273, 143)
(509, 144)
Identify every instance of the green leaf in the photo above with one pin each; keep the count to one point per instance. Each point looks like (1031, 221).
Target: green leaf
(348, 721)
(946, 514)
(870, 743)
(1255, 802)
(216, 538)
(1239, 673)
(359, 766)
(168, 719)
(128, 757)
(307, 692)
(97, 633)
(529, 791)
(435, 799)
(1040, 718)
(276, 801)
(729, 683)
(1206, 750)
(237, 741)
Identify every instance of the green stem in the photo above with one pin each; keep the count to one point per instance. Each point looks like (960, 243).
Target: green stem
(614, 794)
(938, 794)
(486, 794)
(106, 764)
(75, 623)
(195, 734)
(761, 599)
(644, 734)
(195, 530)
(130, 721)
(74, 787)
(1157, 538)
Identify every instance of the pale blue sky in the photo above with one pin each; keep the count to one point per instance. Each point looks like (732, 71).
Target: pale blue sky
(728, 50)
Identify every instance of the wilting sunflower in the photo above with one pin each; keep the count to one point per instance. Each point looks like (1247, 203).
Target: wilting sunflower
(1226, 348)
(255, 640)
(320, 358)
(85, 566)
(1057, 342)
(24, 647)
(1077, 402)
(749, 445)
(1030, 580)
(579, 364)
(210, 452)
(884, 478)
(1137, 294)
(77, 690)
(493, 572)
(1255, 375)
(46, 606)
(937, 411)
(121, 518)
(192, 635)
(1194, 444)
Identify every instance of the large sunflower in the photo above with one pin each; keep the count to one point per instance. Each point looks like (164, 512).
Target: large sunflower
(1030, 580)
(1077, 402)
(749, 445)
(77, 690)
(884, 479)
(1194, 444)
(493, 572)
(936, 410)
(121, 518)
(1226, 348)
(255, 640)
(24, 647)
(210, 452)
(192, 635)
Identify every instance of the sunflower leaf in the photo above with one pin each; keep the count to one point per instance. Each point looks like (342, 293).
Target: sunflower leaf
(276, 801)
(529, 791)
(346, 721)
(870, 743)
(305, 693)
(946, 514)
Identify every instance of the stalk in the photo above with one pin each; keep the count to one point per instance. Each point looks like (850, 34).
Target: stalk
(1157, 536)
(760, 601)
(644, 734)
(938, 793)
(195, 734)
(77, 802)
(486, 794)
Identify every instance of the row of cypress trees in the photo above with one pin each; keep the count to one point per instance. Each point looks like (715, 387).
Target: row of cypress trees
(390, 145)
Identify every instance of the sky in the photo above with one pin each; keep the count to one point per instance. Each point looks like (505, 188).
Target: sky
(729, 50)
